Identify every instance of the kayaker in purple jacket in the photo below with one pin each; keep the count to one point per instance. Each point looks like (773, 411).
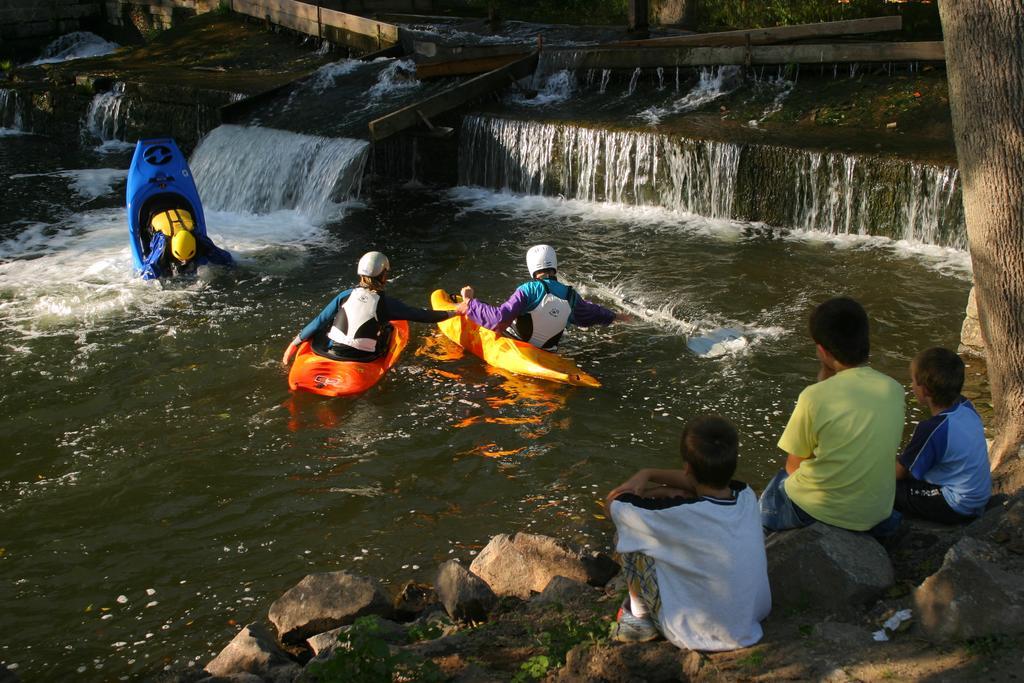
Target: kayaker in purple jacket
(539, 310)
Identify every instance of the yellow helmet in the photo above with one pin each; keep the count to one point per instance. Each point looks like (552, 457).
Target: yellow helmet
(173, 221)
(183, 246)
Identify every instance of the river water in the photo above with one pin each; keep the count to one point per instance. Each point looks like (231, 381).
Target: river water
(160, 486)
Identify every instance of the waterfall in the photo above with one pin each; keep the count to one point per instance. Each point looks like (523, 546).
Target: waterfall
(595, 164)
(260, 170)
(785, 187)
(11, 116)
(107, 116)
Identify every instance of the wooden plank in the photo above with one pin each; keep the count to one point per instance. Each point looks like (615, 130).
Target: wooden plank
(385, 33)
(768, 36)
(454, 97)
(441, 52)
(765, 54)
(313, 20)
(464, 67)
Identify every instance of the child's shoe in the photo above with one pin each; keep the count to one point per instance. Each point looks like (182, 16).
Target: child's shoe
(631, 629)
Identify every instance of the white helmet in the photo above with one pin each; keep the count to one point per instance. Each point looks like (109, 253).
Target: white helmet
(540, 257)
(373, 264)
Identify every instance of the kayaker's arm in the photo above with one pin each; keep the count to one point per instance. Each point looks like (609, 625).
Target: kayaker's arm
(586, 313)
(498, 317)
(394, 309)
(214, 254)
(324, 318)
(151, 266)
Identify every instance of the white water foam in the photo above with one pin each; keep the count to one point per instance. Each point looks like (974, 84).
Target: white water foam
(77, 274)
(11, 122)
(946, 260)
(262, 170)
(706, 336)
(556, 87)
(76, 45)
(397, 77)
(326, 76)
(714, 82)
(88, 183)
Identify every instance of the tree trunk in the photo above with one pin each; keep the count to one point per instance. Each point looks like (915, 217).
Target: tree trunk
(985, 68)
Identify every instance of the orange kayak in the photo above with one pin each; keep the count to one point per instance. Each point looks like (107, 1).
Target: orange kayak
(505, 352)
(329, 377)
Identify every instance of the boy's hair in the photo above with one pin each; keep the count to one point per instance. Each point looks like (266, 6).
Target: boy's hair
(374, 284)
(941, 372)
(710, 445)
(840, 325)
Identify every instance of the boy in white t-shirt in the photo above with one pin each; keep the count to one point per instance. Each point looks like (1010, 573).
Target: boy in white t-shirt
(692, 547)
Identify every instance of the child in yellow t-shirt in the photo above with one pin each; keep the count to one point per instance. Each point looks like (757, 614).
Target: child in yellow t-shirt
(843, 435)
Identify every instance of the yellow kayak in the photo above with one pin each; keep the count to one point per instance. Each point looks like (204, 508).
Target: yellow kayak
(504, 352)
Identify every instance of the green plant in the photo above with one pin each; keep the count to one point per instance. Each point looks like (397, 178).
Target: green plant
(987, 646)
(427, 631)
(754, 660)
(556, 642)
(6, 64)
(223, 8)
(362, 656)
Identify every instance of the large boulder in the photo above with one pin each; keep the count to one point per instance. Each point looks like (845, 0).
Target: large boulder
(978, 591)
(321, 602)
(827, 567)
(523, 563)
(465, 596)
(254, 651)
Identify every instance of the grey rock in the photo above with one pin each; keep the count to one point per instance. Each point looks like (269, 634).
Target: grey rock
(827, 567)
(847, 635)
(971, 341)
(438, 647)
(978, 591)
(413, 599)
(321, 602)
(562, 590)
(234, 678)
(253, 651)
(523, 563)
(465, 596)
(389, 631)
(659, 662)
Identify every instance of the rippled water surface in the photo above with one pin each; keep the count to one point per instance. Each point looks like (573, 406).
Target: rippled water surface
(160, 486)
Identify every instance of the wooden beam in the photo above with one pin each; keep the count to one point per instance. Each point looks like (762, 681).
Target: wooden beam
(769, 36)
(454, 97)
(440, 52)
(464, 67)
(600, 58)
(316, 21)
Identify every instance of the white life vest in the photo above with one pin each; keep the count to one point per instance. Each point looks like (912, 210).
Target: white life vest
(544, 325)
(356, 323)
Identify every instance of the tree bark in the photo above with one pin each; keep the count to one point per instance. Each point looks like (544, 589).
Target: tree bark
(985, 68)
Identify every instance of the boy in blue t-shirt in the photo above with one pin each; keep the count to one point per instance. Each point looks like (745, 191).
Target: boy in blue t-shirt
(943, 474)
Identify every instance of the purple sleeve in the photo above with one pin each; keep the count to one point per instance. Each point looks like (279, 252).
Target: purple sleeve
(587, 313)
(500, 317)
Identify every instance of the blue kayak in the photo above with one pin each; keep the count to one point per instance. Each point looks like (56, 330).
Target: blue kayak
(158, 179)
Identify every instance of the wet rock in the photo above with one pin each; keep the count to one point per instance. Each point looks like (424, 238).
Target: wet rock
(438, 647)
(389, 631)
(523, 563)
(321, 602)
(978, 591)
(629, 663)
(8, 676)
(465, 596)
(235, 678)
(563, 590)
(413, 599)
(827, 567)
(254, 651)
